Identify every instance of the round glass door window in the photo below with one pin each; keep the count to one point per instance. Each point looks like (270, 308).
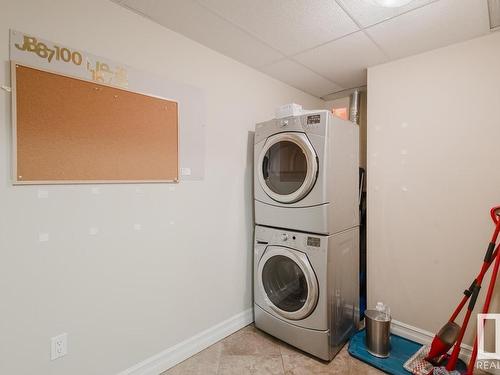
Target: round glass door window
(284, 167)
(288, 167)
(284, 283)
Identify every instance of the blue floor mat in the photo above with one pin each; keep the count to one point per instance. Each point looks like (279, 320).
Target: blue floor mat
(401, 350)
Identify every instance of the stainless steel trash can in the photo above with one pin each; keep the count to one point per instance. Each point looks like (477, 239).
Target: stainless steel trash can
(378, 331)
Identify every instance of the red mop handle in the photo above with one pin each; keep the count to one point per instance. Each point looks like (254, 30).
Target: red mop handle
(491, 253)
(468, 292)
(476, 285)
(495, 216)
(486, 307)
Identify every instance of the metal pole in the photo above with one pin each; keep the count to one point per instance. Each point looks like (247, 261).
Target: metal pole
(354, 107)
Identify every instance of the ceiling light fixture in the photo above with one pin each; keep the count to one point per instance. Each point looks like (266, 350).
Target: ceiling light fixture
(390, 3)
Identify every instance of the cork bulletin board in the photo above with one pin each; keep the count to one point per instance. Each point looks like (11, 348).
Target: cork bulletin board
(69, 130)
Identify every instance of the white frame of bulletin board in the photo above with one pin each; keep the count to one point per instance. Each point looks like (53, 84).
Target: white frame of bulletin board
(19, 180)
(42, 54)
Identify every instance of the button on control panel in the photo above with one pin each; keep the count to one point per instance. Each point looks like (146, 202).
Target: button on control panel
(284, 237)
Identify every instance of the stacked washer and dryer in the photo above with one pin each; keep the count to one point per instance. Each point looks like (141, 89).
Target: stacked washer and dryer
(306, 254)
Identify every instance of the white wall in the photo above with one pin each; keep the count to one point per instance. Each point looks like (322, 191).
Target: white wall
(433, 174)
(125, 295)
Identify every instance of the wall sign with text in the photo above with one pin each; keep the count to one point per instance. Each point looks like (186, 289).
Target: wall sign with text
(41, 53)
(31, 50)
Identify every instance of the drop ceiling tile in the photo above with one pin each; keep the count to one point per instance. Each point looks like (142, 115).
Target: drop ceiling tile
(368, 12)
(344, 60)
(287, 25)
(196, 22)
(301, 78)
(435, 25)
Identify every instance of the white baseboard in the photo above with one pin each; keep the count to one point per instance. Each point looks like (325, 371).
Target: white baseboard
(172, 356)
(423, 337)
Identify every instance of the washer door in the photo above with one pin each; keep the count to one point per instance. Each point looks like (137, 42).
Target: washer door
(288, 282)
(288, 167)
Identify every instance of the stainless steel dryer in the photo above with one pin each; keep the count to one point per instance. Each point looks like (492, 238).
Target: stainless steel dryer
(306, 288)
(306, 173)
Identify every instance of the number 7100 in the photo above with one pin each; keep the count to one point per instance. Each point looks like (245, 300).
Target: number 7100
(31, 44)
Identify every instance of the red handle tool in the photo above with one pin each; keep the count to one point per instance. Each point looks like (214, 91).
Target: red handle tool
(451, 332)
(495, 216)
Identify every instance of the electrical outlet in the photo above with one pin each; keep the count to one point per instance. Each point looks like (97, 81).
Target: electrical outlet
(59, 346)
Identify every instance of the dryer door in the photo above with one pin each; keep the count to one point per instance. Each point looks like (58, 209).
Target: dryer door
(287, 282)
(288, 167)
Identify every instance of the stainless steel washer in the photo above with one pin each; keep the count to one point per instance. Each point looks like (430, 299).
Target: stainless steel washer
(306, 288)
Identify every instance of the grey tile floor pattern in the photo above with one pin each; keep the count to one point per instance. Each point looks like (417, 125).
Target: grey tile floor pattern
(250, 351)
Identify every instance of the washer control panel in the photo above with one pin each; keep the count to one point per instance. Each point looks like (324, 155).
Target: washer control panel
(296, 240)
(289, 238)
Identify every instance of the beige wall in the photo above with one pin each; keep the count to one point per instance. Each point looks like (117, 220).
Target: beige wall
(433, 162)
(125, 295)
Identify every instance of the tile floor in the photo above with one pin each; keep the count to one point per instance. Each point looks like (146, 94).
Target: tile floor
(252, 352)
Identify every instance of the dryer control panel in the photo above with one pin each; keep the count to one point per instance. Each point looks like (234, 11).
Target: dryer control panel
(314, 122)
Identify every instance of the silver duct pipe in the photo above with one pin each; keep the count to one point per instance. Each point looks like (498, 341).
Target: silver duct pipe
(354, 106)
(494, 12)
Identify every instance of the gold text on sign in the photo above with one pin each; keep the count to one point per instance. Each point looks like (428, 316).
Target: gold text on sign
(31, 44)
(101, 72)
